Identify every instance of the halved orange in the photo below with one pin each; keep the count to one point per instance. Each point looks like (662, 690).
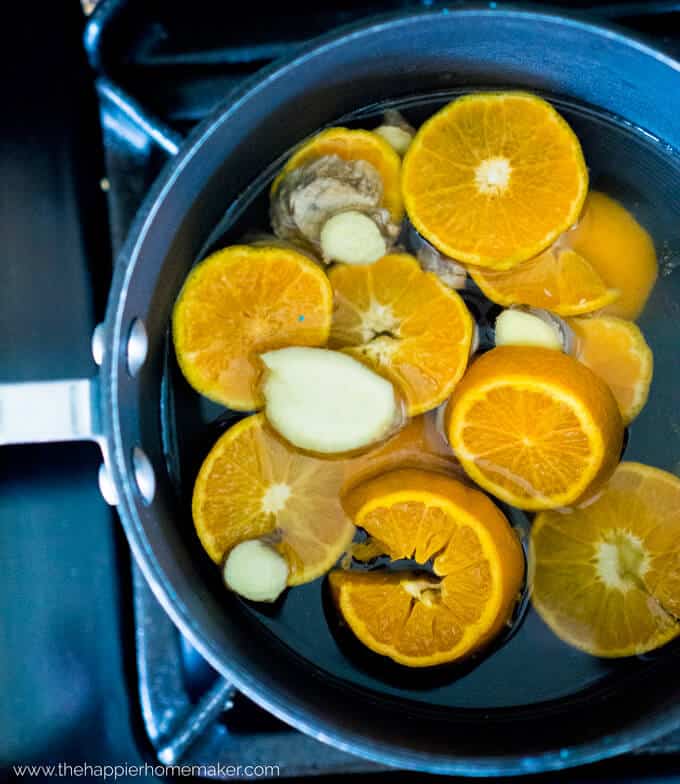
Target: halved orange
(493, 179)
(252, 484)
(354, 145)
(534, 427)
(619, 249)
(618, 353)
(559, 280)
(405, 324)
(239, 303)
(421, 619)
(606, 577)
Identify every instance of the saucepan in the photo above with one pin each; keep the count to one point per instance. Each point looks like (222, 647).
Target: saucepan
(516, 714)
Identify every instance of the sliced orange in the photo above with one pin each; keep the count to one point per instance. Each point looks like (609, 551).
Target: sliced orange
(239, 303)
(494, 178)
(354, 145)
(618, 353)
(559, 280)
(419, 444)
(606, 577)
(421, 619)
(619, 249)
(534, 427)
(405, 324)
(252, 484)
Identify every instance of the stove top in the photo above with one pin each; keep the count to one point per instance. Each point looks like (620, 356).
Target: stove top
(160, 70)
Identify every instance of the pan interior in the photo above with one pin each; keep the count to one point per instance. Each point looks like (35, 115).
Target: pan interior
(530, 669)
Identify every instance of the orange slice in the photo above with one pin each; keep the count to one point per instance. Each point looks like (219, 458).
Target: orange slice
(618, 353)
(534, 427)
(559, 280)
(405, 324)
(354, 145)
(239, 303)
(252, 484)
(606, 578)
(494, 178)
(421, 619)
(619, 249)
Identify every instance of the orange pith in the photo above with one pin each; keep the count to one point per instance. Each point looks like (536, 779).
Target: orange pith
(252, 484)
(422, 620)
(606, 577)
(405, 324)
(354, 145)
(534, 427)
(493, 179)
(619, 249)
(559, 280)
(616, 351)
(238, 303)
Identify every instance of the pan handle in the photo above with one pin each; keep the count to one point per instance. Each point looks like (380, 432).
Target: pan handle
(49, 411)
(46, 412)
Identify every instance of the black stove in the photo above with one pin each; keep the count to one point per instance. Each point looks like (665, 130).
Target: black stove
(159, 67)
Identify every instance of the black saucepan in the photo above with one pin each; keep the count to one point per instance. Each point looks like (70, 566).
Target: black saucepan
(133, 406)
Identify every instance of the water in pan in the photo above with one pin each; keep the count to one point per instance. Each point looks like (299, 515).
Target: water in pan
(529, 665)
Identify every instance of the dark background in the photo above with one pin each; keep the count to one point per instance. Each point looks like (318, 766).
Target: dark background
(67, 676)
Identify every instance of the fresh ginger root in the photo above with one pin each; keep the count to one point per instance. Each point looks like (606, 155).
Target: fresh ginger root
(396, 131)
(334, 206)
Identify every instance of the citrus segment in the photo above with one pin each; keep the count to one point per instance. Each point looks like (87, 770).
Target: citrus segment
(619, 249)
(405, 324)
(617, 352)
(253, 485)
(420, 619)
(354, 145)
(534, 427)
(607, 576)
(493, 178)
(559, 280)
(238, 303)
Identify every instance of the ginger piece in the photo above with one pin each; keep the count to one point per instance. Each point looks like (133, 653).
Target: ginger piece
(533, 327)
(255, 570)
(313, 194)
(396, 131)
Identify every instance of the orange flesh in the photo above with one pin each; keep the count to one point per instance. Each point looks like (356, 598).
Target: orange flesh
(478, 567)
(607, 576)
(534, 427)
(405, 324)
(494, 178)
(252, 484)
(239, 303)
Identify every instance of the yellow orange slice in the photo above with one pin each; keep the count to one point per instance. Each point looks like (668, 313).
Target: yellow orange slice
(239, 303)
(618, 353)
(355, 145)
(252, 485)
(534, 427)
(405, 324)
(619, 249)
(421, 619)
(559, 280)
(606, 577)
(494, 178)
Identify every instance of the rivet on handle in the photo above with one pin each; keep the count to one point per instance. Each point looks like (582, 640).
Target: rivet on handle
(145, 478)
(137, 347)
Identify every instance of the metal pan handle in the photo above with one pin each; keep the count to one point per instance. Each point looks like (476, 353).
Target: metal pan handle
(49, 411)
(45, 412)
